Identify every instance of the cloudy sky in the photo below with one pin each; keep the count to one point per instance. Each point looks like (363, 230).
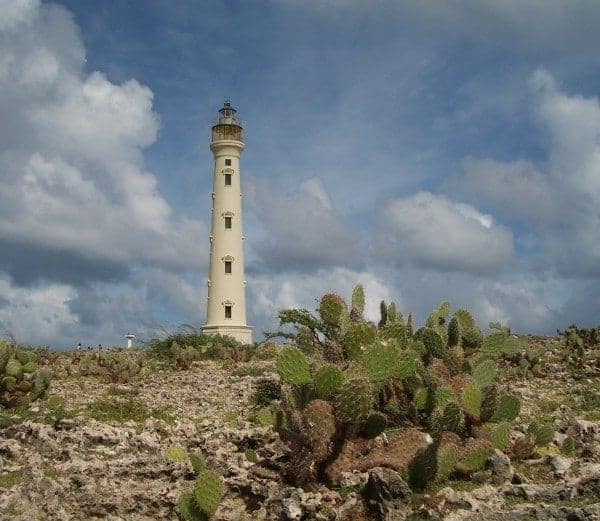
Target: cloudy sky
(427, 150)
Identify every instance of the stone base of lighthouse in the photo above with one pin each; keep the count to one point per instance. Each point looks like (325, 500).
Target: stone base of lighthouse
(242, 334)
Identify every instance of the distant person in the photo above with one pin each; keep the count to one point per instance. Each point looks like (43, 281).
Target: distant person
(99, 347)
(79, 346)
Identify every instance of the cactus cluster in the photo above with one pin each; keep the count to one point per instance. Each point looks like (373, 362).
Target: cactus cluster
(21, 380)
(360, 379)
(202, 502)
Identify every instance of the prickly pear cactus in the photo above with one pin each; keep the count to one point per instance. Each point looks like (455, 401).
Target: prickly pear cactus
(471, 400)
(471, 338)
(20, 379)
(293, 366)
(446, 460)
(189, 509)
(358, 300)
(331, 309)
(327, 380)
(473, 456)
(508, 408)
(453, 332)
(353, 401)
(501, 436)
(542, 434)
(434, 345)
(484, 374)
(207, 492)
(381, 363)
(357, 338)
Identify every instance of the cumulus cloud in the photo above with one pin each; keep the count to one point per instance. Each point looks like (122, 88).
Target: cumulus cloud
(79, 212)
(557, 199)
(432, 231)
(73, 179)
(301, 230)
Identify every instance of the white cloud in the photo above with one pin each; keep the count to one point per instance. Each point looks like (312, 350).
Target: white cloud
(71, 165)
(14, 13)
(433, 232)
(557, 199)
(301, 230)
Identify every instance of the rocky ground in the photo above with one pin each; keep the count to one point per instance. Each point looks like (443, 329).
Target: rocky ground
(94, 450)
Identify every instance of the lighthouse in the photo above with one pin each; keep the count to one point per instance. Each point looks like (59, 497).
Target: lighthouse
(226, 306)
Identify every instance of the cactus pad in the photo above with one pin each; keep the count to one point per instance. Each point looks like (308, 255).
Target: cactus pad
(501, 436)
(474, 456)
(353, 402)
(198, 462)
(188, 508)
(484, 374)
(446, 459)
(328, 379)
(542, 434)
(358, 299)
(381, 363)
(357, 338)
(434, 345)
(471, 400)
(465, 319)
(453, 332)
(14, 369)
(421, 396)
(508, 408)
(331, 308)
(207, 492)
(293, 366)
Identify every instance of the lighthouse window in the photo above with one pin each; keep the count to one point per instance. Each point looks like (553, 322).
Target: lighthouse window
(227, 311)
(227, 179)
(228, 162)
(227, 266)
(228, 223)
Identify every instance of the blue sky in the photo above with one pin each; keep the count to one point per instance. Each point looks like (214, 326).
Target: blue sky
(427, 150)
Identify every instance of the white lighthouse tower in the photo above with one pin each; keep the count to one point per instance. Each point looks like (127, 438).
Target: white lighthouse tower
(226, 308)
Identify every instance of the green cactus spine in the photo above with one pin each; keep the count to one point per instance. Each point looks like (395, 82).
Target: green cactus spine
(353, 401)
(327, 380)
(207, 492)
(293, 366)
(508, 408)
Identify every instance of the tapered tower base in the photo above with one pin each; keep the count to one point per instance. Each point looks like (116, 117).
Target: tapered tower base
(242, 334)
